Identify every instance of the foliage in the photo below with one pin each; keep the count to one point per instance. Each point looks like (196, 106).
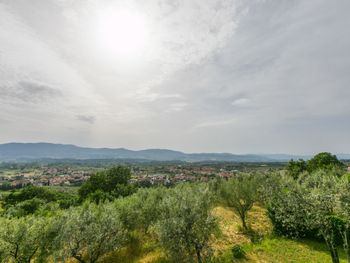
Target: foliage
(240, 193)
(24, 238)
(308, 206)
(40, 222)
(31, 192)
(141, 210)
(113, 182)
(238, 251)
(343, 210)
(322, 200)
(186, 223)
(287, 210)
(324, 161)
(295, 168)
(90, 231)
(31, 199)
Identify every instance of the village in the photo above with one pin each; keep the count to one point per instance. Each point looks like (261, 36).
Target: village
(47, 176)
(144, 176)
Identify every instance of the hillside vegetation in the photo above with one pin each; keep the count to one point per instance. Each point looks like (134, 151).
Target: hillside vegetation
(273, 216)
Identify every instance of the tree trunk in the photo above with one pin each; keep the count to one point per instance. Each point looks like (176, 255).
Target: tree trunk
(346, 242)
(198, 253)
(333, 250)
(335, 257)
(79, 258)
(244, 224)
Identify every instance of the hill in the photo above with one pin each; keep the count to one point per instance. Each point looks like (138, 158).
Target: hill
(36, 151)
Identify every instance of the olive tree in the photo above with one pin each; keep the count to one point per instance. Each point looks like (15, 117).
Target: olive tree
(90, 231)
(142, 209)
(186, 223)
(240, 193)
(23, 239)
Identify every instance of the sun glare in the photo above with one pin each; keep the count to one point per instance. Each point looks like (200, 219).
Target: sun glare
(122, 32)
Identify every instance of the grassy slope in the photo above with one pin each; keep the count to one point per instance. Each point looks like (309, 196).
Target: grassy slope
(270, 250)
(285, 250)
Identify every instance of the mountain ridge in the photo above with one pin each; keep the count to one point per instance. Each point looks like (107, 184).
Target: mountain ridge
(15, 151)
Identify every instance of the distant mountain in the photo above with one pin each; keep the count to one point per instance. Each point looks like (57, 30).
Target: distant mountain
(35, 151)
(343, 156)
(287, 157)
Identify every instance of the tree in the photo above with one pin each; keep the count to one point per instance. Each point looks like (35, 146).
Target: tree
(30, 192)
(322, 196)
(90, 231)
(30, 199)
(114, 181)
(324, 161)
(287, 209)
(295, 168)
(321, 161)
(186, 222)
(240, 193)
(119, 175)
(307, 207)
(26, 238)
(94, 183)
(344, 212)
(142, 209)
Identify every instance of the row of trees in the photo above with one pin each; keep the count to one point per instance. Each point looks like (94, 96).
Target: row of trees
(180, 217)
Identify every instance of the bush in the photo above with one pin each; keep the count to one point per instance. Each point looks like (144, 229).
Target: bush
(114, 182)
(238, 252)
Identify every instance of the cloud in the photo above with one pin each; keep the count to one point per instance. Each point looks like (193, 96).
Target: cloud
(29, 92)
(227, 75)
(214, 123)
(280, 65)
(86, 118)
(240, 102)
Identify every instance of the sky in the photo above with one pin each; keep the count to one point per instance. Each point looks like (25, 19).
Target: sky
(238, 76)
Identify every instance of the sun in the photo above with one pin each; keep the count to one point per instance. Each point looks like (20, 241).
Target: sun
(122, 32)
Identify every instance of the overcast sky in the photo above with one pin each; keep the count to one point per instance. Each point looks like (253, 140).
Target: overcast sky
(239, 76)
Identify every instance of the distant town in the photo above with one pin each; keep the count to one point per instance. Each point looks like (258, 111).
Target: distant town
(13, 177)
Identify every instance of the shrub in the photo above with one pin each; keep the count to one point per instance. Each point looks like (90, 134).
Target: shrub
(238, 252)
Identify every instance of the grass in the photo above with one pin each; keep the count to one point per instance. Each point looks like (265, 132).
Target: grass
(64, 189)
(292, 251)
(231, 229)
(142, 249)
(271, 249)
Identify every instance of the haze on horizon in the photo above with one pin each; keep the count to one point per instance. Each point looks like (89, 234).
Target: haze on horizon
(197, 76)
